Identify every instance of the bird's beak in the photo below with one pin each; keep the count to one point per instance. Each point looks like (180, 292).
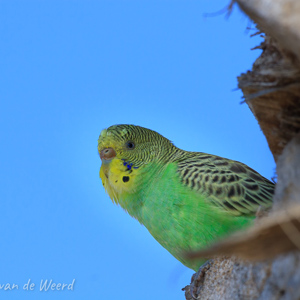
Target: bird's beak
(107, 154)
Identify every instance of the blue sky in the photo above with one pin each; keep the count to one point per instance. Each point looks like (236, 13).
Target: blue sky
(68, 70)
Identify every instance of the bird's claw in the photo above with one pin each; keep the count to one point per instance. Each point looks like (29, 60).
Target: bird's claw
(198, 279)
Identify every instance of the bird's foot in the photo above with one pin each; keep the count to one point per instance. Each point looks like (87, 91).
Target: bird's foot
(198, 280)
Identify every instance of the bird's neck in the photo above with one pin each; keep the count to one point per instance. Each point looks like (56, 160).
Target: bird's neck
(126, 186)
(171, 154)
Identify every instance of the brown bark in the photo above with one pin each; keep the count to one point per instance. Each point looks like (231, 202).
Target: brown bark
(272, 91)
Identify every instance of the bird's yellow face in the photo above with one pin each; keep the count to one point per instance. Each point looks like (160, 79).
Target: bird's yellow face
(124, 151)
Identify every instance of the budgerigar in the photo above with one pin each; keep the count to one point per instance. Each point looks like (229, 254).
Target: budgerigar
(185, 199)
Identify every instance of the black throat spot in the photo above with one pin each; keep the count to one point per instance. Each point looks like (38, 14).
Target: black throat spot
(125, 178)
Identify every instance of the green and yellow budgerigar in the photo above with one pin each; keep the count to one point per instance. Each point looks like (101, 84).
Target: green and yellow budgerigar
(185, 199)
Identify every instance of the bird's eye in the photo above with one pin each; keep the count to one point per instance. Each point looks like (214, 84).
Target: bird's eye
(130, 145)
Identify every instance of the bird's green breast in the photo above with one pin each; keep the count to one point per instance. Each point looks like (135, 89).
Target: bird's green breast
(178, 218)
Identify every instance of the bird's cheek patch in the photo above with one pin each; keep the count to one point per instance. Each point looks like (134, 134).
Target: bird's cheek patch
(129, 166)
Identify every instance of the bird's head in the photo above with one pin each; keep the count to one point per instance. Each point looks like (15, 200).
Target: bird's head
(134, 144)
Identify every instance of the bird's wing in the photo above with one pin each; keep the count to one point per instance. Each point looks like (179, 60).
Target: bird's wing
(229, 184)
